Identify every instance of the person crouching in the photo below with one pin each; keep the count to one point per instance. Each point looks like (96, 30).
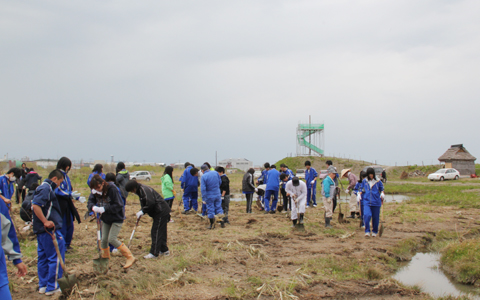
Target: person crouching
(297, 190)
(153, 204)
(107, 202)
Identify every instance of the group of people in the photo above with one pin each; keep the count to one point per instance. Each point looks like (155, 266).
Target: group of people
(366, 195)
(50, 207)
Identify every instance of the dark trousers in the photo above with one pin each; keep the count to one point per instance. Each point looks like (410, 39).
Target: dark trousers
(170, 203)
(159, 234)
(249, 202)
(226, 204)
(67, 231)
(286, 200)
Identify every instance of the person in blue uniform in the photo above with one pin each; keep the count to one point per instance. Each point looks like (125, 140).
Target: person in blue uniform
(273, 185)
(311, 177)
(97, 170)
(372, 196)
(65, 196)
(7, 185)
(210, 187)
(47, 216)
(189, 184)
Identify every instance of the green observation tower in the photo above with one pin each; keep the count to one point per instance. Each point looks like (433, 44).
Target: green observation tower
(310, 139)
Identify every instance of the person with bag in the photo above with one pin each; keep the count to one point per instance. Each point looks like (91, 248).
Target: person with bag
(248, 188)
(153, 204)
(108, 202)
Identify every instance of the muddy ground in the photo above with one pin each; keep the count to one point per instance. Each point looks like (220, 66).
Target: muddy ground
(255, 254)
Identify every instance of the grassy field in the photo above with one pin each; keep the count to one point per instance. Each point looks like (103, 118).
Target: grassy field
(261, 256)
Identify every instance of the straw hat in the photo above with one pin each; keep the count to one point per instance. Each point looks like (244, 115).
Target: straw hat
(344, 172)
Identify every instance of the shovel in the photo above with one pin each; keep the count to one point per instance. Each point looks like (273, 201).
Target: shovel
(133, 232)
(380, 231)
(100, 265)
(68, 281)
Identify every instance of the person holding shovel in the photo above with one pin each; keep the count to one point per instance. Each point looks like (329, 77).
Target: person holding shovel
(297, 191)
(153, 204)
(352, 182)
(108, 202)
(328, 191)
(7, 185)
(47, 215)
(372, 196)
(286, 199)
(311, 177)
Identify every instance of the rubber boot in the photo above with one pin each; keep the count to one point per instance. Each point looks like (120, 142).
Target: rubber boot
(106, 253)
(352, 215)
(212, 224)
(226, 219)
(301, 219)
(222, 222)
(327, 222)
(294, 222)
(126, 252)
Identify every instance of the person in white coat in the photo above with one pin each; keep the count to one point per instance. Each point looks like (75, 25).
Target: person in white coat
(297, 190)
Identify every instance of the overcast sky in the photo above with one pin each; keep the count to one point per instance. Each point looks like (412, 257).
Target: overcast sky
(169, 81)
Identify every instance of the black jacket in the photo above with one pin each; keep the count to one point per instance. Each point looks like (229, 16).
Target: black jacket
(122, 179)
(151, 201)
(225, 185)
(247, 183)
(31, 178)
(112, 202)
(26, 209)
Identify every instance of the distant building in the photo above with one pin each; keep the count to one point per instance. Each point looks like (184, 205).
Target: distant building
(236, 163)
(457, 157)
(45, 163)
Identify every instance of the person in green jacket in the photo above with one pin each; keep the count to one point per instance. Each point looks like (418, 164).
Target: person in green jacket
(167, 187)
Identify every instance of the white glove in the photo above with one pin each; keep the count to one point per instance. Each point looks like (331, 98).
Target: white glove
(256, 190)
(98, 210)
(382, 195)
(359, 197)
(313, 182)
(347, 191)
(139, 214)
(75, 195)
(81, 199)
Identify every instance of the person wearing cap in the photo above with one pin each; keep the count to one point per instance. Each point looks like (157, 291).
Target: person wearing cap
(210, 188)
(297, 190)
(352, 182)
(373, 196)
(311, 177)
(328, 190)
(273, 185)
(286, 199)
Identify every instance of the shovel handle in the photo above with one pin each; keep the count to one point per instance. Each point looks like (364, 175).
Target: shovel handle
(55, 244)
(133, 232)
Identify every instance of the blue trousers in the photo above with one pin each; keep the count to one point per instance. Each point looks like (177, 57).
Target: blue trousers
(204, 209)
(311, 196)
(5, 293)
(214, 206)
(268, 195)
(48, 266)
(371, 212)
(190, 200)
(363, 213)
(67, 231)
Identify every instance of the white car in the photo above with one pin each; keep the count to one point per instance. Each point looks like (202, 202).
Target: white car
(300, 173)
(141, 175)
(444, 174)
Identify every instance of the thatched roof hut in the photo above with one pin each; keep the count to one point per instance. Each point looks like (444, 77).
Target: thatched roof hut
(459, 158)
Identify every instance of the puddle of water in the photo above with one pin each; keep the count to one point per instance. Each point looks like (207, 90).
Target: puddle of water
(424, 271)
(396, 198)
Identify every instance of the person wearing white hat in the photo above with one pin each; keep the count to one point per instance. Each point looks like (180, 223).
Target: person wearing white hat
(352, 181)
(297, 190)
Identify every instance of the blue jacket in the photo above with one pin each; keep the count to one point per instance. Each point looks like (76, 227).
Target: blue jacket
(45, 198)
(309, 176)
(91, 176)
(189, 183)
(6, 187)
(358, 189)
(263, 177)
(328, 187)
(3, 267)
(65, 188)
(371, 196)
(273, 180)
(290, 176)
(211, 182)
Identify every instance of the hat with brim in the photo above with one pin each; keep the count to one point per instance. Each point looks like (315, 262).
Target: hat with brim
(344, 171)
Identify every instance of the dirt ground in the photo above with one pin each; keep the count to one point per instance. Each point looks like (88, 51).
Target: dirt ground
(255, 254)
